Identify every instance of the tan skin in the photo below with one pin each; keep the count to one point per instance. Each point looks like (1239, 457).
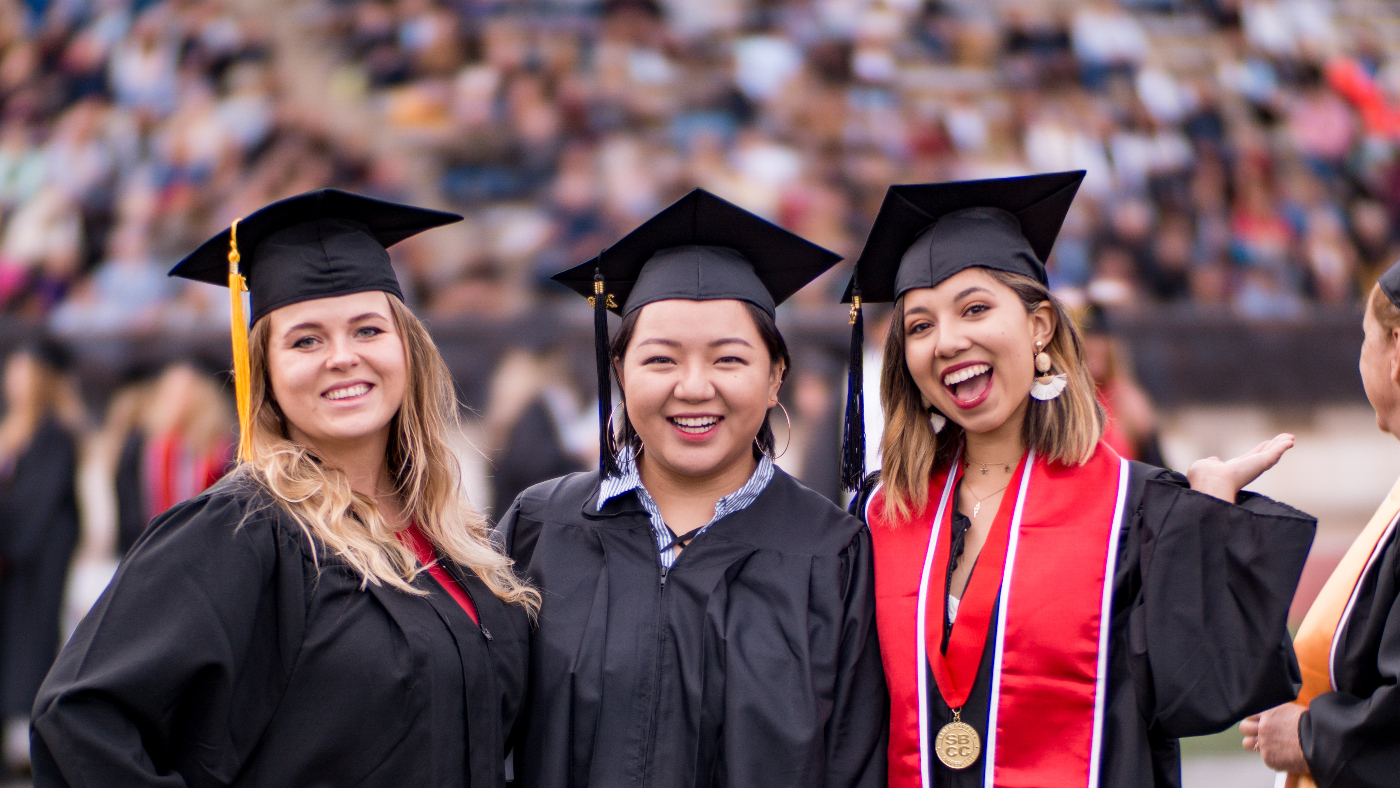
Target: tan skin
(970, 321)
(698, 382)
(1274, 734)
(323, 349)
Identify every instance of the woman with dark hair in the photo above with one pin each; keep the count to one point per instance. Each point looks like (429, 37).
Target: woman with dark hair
(38, 527)
(1050, 614)
(706, 619)
(332, 612)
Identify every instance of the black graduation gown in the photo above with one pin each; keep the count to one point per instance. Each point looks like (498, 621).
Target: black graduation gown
(532, 454)
(38, 534)
(1351, 737)
(1199, 636)
(131, 492)
(755, 664)
(220, 655)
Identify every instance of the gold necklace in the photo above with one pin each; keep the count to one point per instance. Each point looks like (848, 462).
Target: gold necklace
(977, 507)
(1006, 466)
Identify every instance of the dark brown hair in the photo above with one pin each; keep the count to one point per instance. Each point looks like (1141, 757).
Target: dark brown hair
(626, 435)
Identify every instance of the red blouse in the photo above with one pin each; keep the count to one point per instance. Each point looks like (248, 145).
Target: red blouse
(428, 557)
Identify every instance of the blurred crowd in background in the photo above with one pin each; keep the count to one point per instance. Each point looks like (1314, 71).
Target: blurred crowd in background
(1241, 157)
(1239, 154)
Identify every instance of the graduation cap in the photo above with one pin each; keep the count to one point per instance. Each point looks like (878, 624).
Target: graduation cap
(1389, 283)
(701, 248)
(928, 232)
(319, 244)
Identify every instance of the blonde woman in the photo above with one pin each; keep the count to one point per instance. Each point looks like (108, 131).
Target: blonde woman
(331, 612)
(1049, 614)
(38, 527)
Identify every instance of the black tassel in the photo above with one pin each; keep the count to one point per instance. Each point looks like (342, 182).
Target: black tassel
(853, 436)
(607, 460)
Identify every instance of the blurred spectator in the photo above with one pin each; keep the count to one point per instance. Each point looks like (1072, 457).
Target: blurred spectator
(178, 441)
(1132, 424)
(38, 528)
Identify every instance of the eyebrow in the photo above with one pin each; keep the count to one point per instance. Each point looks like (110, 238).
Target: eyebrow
(675, 343)
(312, 324)
(970, 291)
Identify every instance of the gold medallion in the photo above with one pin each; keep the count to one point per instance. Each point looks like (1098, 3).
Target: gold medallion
(957, 743)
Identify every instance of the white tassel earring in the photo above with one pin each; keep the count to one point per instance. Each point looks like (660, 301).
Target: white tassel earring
(937, 421)
(1046, 386)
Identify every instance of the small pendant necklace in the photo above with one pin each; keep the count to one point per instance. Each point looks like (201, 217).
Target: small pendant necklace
(977, 507)
(986, 466)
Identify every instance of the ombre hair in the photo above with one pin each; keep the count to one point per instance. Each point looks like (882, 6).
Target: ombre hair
(1065, 429)
(424, 469)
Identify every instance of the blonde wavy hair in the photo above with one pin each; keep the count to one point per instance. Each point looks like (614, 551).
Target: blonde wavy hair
(1065, 429)
(424, 468)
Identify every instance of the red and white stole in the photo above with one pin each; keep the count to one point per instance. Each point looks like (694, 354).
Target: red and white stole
(1053, 569)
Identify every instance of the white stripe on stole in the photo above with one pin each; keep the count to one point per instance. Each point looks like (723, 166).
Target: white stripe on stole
(920, 646)
(1105, 624)
(989, 766)
(1351, 602)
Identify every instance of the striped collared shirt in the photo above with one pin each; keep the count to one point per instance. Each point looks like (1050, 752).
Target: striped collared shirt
(630, 478)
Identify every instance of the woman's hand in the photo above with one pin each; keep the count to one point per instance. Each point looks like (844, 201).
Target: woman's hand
(1223, 479)
(1274, 735)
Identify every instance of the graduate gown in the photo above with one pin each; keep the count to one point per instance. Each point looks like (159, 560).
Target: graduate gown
(1351, 736)
(756, 663)
(38, 534)
(1198, 636)
(222, 655)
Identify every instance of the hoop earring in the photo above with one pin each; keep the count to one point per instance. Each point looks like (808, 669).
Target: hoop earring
(787, 445)
(612, 435)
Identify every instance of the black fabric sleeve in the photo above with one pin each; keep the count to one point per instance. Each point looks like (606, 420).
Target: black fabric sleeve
(1355, 742)
(184, 658)
(1217, 582)
(44, 481)
(858, 731)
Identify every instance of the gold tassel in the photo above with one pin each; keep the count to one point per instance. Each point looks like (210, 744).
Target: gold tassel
(237, 286)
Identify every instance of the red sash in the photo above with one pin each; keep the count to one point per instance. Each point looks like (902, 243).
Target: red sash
(1050, 667)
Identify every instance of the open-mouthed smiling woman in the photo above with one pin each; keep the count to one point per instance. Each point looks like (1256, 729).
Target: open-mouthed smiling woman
(331, 613)
(706, 619)
(1049, 614)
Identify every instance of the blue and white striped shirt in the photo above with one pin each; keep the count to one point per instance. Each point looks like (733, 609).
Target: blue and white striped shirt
(630, 478)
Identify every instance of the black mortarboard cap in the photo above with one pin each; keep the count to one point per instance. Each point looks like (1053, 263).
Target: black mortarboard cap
(700, 248)
(1390, 284)
(314, 245)
(319, 244)
(925, 233)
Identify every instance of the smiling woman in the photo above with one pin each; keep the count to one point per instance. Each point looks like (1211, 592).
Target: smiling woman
(336, 576)
(1024, 572)
(706, 620)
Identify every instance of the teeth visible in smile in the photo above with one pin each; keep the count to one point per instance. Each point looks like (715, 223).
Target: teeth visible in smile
(695, 424)
(349, 391)
(966, 373)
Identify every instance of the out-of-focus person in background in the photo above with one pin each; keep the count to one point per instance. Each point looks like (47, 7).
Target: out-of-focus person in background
(178, 442)
(1341, 730)
(42, 423)
(706, 619)
(333, 612)
(538, 426)
(1130, 424)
